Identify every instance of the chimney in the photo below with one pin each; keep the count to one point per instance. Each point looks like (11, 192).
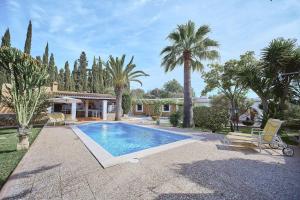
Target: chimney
(54, 86)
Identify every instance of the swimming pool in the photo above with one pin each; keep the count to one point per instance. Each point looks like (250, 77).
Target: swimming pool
(120, 138)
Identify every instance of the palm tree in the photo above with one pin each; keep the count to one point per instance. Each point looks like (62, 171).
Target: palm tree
(280, 57)
(189, 47)
(121, 77)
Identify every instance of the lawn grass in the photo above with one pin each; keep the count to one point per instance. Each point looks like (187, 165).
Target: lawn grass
(9, 156)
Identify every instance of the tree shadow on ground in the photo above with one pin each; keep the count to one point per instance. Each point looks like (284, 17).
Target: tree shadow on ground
(21, 195)
(8, 151)
(23, 191)
(186, 196)
(38, 170)
(240, 179)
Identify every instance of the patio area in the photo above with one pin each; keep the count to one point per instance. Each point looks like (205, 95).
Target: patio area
(59, 166)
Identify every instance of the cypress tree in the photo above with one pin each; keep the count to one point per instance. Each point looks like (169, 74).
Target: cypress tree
(75, 78)
(67, 77)
(46, 55)
(83, 71)
(46, 61)
(51, 68)
(100, 76)
(106, 79)
(90, 81)
(55, 73)
(4, 76)
(38, 58)
(94, 77)
(72, 84)
(27, 46)
(6, 39)
(60, 80)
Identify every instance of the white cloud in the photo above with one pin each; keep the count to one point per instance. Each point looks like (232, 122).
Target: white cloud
(56, 23)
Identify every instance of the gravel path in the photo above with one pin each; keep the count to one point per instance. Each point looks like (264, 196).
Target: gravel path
(58, 166)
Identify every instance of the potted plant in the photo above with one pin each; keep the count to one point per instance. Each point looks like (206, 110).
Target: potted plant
(28, 76)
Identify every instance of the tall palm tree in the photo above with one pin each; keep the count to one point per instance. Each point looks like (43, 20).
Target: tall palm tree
(189, 47)
(122, 75)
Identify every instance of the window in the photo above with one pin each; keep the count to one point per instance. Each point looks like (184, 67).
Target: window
(139, 107)
(166, 108)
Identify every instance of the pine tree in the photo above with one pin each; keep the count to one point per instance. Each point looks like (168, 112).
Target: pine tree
(27, 46)
(6, 39)
(51, 69)
(67, 77)
(83, 71)
(60, 80)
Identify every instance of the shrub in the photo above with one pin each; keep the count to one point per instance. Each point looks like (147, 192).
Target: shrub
(210, 118)
(248, 122)
(293, 124)
(126, 103)
(157, 109)
(175, 118)
(200, 116)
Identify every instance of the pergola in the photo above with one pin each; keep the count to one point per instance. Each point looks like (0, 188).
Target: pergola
(67, 100)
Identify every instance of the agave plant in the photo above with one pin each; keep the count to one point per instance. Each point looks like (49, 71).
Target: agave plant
(189, 46)
(28, 76)
(122, 75)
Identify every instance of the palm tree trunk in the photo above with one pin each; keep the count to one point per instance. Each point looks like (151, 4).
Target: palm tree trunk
(119, 93)
(264, 103)
(188, 104)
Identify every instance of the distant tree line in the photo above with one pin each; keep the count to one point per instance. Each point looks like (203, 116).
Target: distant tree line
(80, 79)
(171, 89)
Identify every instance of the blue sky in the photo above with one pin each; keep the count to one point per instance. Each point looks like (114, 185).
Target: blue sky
(140, 27)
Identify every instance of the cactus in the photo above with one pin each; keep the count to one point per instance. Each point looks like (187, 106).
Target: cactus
(28, 76)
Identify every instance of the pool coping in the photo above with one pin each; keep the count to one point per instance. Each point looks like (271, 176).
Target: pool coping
(107, 160)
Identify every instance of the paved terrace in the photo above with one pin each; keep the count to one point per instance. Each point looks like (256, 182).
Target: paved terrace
(58, 166)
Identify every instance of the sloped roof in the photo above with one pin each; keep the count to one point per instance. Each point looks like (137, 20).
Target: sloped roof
(82, 95)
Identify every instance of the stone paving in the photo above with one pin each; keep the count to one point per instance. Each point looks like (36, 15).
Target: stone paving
(59, 166)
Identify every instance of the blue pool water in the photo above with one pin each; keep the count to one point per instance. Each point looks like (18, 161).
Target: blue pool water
(119, 138)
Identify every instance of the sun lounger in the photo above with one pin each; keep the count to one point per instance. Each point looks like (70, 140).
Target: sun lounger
(56, 118)
(268, 135)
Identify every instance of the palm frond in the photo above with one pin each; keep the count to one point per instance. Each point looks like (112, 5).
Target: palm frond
(187, 38)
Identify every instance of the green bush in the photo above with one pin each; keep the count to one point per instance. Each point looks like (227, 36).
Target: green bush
(248, 122)
(210, 118)
(293, 124)
(157, 109)
(175, 118)
(126, 103)
(200, 116)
